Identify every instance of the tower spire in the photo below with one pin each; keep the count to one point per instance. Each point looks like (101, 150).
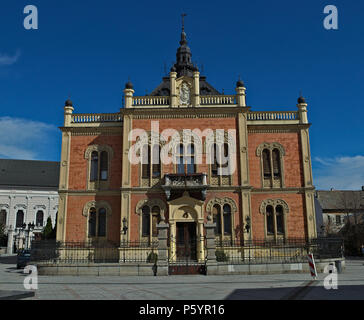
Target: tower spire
(183, 65)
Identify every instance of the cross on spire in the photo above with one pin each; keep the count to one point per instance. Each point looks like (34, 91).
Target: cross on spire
(183, 21)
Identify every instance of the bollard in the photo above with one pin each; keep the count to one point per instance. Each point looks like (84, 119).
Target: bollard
(338, 265)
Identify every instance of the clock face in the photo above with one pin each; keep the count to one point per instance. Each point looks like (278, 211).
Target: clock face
(184, 96)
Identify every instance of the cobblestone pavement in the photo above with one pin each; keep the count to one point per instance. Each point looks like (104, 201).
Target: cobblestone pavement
(194, 287)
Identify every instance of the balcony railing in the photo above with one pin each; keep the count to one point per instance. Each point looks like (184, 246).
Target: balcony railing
(218, 100)
(188, 181)
(96, 117)
(151, 101)
(272, 115)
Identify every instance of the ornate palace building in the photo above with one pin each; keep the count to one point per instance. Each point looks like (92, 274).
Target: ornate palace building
(186, 155)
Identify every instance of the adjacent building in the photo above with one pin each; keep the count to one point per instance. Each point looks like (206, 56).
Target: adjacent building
(335, 208)
(28, 194)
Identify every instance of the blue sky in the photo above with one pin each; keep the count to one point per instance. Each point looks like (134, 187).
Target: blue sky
(89, 49)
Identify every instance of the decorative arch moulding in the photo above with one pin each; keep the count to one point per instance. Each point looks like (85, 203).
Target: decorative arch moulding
(151, 203)
(222, 202)
(270, 146)
(273, 203)
(98, 148)
(97, 205)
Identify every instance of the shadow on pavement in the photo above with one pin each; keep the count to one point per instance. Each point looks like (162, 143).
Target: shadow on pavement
(345, 292)
(260, 294)
(8, 260)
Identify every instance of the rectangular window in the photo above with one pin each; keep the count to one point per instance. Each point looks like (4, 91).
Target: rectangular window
(191, 168)
(103, 165)
(92, 223)
(180, 166)
(338, 219)
(156, 162)
(102, 223)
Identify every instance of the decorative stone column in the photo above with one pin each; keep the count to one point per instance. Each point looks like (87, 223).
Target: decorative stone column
(201, 243)
(196, 88)
(173, 88)
(302, 109)
(211, 264)
(128, 95)
(240, 94)
(68, 109)
(162, 263)
(10, 247)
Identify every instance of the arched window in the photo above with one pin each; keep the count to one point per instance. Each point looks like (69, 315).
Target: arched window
(214, 165)
(272, 164)
(266, 164)
(216, 213)
(276, 164)
(180, 159)
(94, 166)
(151, 162)
(97, 222)
(145, 161)
(103, 165)
(270, 220)
(3, 217)
(191, 167)
(156, 218)
(156, 161)
(101, 230)
(92, 223)
(186, 159)
(279, 219)
(19, 219)
(225, 160)
(275, 211)
(98, 166)
(145, 221)
(39, 218)
(223, 214)
(227, 219)
(220, 159)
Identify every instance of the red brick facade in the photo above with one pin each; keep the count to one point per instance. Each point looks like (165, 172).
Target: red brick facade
(272, 175)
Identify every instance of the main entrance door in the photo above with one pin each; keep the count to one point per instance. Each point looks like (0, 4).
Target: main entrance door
(185, 259)
(186, 241)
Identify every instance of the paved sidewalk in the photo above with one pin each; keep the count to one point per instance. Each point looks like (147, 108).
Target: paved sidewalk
(197, 287)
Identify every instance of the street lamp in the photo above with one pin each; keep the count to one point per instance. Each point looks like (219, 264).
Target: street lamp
(125, 225)
(247, 225)
(25, 230)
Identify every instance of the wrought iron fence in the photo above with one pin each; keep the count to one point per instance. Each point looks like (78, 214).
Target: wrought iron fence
(277, 251)
(50, 252)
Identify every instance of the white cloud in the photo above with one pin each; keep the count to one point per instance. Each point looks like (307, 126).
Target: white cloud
(342, 173)
(6, 60)
(27, 139)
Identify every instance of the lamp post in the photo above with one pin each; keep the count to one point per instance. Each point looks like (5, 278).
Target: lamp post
(248, 228)
(24, 233)
(125, 226)
(124, 231)
(247, 225)
(28, 231)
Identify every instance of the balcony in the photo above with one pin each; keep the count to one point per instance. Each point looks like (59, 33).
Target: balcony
(195, 182)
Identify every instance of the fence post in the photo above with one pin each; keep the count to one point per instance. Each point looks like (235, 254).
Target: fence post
(211, 264)
(162, 263)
